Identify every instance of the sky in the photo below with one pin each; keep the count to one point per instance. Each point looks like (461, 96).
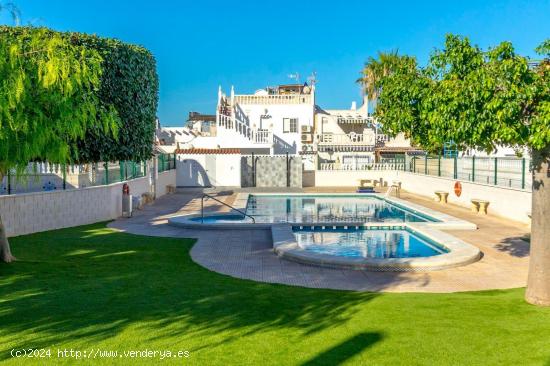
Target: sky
(202, 44)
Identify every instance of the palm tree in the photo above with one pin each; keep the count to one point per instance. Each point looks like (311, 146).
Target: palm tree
(374, 70)
(12, 9)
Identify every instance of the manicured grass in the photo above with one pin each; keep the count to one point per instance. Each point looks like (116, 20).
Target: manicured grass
(90, 288)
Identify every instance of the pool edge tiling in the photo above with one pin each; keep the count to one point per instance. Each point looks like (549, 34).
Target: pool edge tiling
(459, 252)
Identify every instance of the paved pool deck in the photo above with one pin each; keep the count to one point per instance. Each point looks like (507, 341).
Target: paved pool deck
(248, 254)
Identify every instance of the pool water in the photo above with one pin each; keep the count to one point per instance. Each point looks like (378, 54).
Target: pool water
(302, 209)
(366, 243)
(222, 219)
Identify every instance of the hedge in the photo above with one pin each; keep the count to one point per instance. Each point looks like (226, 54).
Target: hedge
(128, 84)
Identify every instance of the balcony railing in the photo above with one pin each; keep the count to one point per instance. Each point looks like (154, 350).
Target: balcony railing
(254, 135)
(398, 165)
(345, 139)
(262, 137)
(274, 99)
(381, 140)
(355, 120)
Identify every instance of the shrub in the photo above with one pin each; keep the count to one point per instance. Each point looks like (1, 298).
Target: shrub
(127, 93)
(129, 83)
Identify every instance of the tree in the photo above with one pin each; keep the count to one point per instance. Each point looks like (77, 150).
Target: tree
(47, 102)
(480, 99)
(375, 70)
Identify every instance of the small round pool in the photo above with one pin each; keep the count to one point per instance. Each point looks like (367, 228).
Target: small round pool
(221, 219)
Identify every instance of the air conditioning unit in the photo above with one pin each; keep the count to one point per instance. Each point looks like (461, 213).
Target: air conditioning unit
(306, 129)
(307, 138)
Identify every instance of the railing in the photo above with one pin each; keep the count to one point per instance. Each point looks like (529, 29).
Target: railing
(503, 172)
(166, 162)
(398, 165)
(346, 139)
(381, 139)
(274, 99)
(205, 195)
(39, 177)
(255, 136)
(262, 137)
(355, 120)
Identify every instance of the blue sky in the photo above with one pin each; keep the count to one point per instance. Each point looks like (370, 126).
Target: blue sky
(251, 44)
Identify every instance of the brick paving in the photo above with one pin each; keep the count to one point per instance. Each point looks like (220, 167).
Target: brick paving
(248, 254)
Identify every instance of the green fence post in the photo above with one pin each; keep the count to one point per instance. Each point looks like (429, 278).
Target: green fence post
(9, 182)
(523, 173)
(174, 167)
(455, 172)
(473, 168)
(64, 176)
(426, 164)
(496, 168)
(106, 168)
(121, 171)
(439, 165)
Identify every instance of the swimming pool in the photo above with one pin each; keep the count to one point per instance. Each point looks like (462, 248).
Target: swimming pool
(267, 209)
(366, 242)
(373, 247)
(324, 208)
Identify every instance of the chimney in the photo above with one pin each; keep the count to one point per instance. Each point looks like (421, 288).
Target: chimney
(353, 106)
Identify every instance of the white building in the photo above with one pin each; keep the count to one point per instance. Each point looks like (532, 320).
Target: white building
(285, 119)
(269, 121)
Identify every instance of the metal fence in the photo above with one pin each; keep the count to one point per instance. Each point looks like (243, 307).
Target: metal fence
(504, 171)
(39, 177)
(166, 162)
(499, 171)
(387, 165)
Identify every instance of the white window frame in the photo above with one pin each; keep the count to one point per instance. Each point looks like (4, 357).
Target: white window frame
(288, 124)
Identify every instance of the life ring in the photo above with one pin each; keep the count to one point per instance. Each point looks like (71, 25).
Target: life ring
(458, 189)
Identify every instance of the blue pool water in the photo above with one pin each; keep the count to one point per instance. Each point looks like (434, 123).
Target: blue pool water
(221, 219)
(306, 208)
(366, 243)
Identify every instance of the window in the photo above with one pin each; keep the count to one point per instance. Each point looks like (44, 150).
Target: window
(290, 125)
(205, 126)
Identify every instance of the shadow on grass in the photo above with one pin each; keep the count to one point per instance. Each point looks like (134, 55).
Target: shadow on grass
(90, 283)
(344, 351)
(515, 246)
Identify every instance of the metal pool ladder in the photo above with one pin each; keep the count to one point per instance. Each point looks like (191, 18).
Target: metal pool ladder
(206, 195)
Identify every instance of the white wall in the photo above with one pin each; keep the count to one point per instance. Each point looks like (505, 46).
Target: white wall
(284, 142)
(350, 178)
(40, 211)
(510, 203)
(513, 204)
(200, 170)
(165, 178)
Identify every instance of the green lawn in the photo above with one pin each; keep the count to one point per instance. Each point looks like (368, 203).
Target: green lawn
(89, 288)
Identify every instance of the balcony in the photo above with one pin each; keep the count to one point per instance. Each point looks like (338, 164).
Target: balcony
(346, 139)
(355, 120)
(274, 99)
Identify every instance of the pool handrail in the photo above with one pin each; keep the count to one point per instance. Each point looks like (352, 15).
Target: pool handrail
(206, 195)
